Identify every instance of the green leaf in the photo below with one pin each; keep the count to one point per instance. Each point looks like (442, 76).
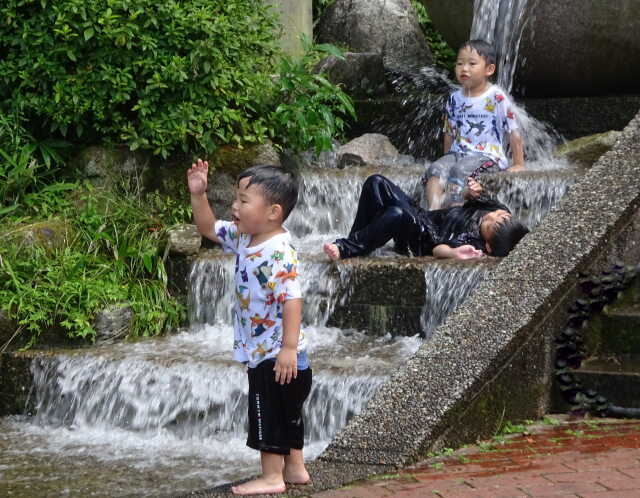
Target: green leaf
(88, 34)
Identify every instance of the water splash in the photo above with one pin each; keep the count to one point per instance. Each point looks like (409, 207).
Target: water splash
(328, 200)
(447, 287)
(172, 410)
(530, 196)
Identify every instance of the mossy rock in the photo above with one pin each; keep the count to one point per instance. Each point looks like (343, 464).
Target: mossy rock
(118, 167)
(51, 234)
(585, 151)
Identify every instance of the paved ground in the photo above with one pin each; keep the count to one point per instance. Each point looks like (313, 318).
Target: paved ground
(597, 458)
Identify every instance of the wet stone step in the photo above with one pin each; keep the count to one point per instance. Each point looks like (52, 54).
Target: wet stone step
(379, 295)
(616, 378)
(616, 332)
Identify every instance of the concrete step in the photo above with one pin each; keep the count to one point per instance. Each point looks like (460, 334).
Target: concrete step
(616, 378)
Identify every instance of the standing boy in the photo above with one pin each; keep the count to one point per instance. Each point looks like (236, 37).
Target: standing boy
(477, 116)
(267, 334)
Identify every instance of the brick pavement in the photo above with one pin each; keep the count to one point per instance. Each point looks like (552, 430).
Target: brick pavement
(597, 458)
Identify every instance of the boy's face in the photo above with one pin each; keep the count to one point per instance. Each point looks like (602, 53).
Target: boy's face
(491, 222)
(472, 70)
(250, 212)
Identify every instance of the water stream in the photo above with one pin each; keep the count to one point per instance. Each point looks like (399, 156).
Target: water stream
(167, 415)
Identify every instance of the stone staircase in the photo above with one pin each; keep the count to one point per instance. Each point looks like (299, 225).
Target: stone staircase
(609, 348)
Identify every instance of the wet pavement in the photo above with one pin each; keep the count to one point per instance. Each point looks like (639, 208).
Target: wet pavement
(556, 457)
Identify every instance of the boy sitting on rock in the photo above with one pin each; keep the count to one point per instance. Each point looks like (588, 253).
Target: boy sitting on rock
(476, 118)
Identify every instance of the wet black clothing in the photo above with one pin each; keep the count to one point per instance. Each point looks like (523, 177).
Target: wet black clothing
(385, 212)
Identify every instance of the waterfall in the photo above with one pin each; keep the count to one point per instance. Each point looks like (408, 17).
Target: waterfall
(501, 23)
(447, 287)
(531, 197)
(168, 415)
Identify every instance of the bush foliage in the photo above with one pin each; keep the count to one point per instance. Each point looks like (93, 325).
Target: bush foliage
(155, 74)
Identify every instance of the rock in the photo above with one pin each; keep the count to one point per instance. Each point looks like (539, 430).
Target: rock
(367, 149)
(265, 154)
(8, 328)
(184, 240)
(110, 166)
(113, 323)
(585, 151)
(360, 75)
(53, 234)
(569, 48)
(387, 27)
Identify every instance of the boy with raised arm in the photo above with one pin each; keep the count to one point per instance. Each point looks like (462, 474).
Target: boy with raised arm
(267, 314)
(477, 117)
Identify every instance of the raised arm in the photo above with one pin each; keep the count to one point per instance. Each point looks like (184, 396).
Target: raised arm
(517, 151)
(202, 213)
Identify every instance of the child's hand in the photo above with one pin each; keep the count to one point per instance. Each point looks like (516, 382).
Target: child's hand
(467, 252)
(197, 177)
(286, 365)
(474, 188)
(516, 167)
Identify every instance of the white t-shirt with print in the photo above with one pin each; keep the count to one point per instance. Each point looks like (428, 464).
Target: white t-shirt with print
(266, 276)
(478, 124)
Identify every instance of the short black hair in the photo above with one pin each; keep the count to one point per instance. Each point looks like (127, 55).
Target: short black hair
(278, 186)
(485, 49)
(506, 236)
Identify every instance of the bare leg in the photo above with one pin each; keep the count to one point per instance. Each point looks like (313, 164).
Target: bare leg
(435, 193)
(332, 251)
(271, 481)
(294, 469)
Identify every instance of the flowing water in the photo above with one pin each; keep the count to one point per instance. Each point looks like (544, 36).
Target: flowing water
(502, 23)
(166, 416)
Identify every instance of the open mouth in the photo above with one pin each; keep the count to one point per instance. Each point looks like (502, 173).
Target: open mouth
(235, 219)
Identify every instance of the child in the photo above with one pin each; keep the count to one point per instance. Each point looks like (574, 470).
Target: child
(476, 119)
(385, 212)
(267, 334)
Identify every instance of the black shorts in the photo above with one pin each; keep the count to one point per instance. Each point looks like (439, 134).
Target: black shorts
(275, 410)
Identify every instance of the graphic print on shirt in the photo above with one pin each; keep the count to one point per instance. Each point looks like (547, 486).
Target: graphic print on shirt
(263, 272)
(267, 275)
(242, 299)
(479, 125)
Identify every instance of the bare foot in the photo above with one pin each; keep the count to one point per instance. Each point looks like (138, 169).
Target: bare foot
(296, 477)
(259, 487)
(332, 251)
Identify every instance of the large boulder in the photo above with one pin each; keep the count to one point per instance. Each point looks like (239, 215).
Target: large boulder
(361, 75)
(387, 27)
(369, 149)
(569, 48)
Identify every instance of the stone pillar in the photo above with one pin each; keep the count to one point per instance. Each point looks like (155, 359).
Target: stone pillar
(296, 17)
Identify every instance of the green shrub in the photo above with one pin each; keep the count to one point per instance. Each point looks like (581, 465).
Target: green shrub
(308, 108)
(115, 256)
(25, 163)
(157, 75)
